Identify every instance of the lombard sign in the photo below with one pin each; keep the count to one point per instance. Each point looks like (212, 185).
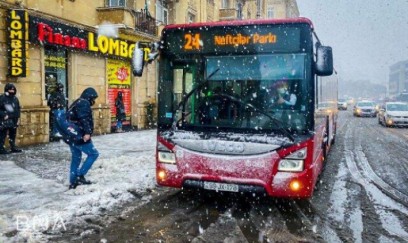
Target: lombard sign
(16, 40)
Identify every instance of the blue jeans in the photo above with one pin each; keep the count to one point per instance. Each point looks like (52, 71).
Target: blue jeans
(119, 124)
(76, 151)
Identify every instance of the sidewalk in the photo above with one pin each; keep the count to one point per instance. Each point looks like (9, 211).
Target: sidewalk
(34, 196)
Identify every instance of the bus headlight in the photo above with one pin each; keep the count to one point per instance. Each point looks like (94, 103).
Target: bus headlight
(294, 162)
(293, 165)
(166, 157)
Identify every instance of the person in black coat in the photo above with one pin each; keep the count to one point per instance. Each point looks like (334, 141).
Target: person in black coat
(56, 101)
(80, 112)
(120, 111)
(9, 115)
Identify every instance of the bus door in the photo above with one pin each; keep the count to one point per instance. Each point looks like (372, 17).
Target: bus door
(184, 80)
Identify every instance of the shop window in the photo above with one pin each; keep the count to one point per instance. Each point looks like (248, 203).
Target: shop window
(55, 64)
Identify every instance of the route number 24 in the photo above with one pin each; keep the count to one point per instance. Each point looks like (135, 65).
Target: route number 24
(192, 41)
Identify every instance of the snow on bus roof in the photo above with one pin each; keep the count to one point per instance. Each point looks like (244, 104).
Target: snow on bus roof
(244, 22)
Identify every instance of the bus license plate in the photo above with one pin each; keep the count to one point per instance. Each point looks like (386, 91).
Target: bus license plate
(220, 186)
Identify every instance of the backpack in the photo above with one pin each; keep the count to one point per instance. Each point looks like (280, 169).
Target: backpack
(70, 131)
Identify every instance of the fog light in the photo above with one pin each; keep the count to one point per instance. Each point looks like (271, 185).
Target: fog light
(161, 175)
(295, 185)
(389, 122)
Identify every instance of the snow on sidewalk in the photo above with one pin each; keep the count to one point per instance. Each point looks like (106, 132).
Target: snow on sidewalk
(31, 206)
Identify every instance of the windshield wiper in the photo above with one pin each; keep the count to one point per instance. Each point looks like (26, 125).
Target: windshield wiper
(277, 122)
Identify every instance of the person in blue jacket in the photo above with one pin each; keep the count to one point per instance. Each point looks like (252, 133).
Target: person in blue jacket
(80, 113)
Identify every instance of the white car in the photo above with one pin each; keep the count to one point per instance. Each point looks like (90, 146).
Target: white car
(342, 104)
(393, 114)
(364, 108)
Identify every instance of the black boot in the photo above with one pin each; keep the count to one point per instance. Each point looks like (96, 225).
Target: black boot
(14, 149)
(3, 151)
(82, 181)
(73, 186)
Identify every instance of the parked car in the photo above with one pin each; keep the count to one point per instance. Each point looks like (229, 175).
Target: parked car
(342, 104)
(365, 108)
(393, 114)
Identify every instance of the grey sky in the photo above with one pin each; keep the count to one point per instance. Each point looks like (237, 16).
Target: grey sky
(367, 36)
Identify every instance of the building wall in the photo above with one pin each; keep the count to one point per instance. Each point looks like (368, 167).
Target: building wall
(398, 78)
(82, 12)
(83, 69)
(282, 8)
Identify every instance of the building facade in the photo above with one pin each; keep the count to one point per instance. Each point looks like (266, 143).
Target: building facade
(190, 11)
(257, 9)
(43, 43)
(398, 79)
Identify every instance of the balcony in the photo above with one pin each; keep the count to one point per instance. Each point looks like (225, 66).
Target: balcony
(138, 20)
(145, 23)
(228, 14)
(116, 15)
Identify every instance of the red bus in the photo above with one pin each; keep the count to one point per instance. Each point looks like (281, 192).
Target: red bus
(245, 106)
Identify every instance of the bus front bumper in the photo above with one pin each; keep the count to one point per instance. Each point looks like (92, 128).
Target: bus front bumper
(280, 185)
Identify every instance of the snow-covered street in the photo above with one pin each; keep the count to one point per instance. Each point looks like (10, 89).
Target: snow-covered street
(355, 201)
(35, 201)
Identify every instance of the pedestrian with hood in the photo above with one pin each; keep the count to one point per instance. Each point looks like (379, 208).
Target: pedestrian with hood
(120, 112)
(80, 113)
(9, 115)
(56, 101)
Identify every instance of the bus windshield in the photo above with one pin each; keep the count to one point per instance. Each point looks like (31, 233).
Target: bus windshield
(256, 92)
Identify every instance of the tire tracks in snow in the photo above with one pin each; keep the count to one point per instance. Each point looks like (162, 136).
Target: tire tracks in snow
(381, 195)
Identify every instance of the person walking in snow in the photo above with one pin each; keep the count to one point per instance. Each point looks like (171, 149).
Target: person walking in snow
(9, 115)
(80, 113)
(56, 101)
(120, 111)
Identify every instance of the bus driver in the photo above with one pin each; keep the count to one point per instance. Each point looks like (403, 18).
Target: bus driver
(283, 97)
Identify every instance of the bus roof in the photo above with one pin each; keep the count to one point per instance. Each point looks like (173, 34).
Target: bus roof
(244, 22)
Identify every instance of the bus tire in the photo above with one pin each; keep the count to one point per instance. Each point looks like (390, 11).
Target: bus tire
(334, 135)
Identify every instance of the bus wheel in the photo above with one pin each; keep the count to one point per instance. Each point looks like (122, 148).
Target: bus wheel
(334, 135)
(324, 153)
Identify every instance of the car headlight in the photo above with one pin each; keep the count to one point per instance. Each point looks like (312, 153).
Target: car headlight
(293, 162)
(167, 157)
(358, 110)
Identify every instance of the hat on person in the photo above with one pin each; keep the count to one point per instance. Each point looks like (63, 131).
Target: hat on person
(10, 86)
(280, 83)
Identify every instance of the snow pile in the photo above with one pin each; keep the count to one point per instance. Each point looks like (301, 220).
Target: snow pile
(108, 29)
(31, 207)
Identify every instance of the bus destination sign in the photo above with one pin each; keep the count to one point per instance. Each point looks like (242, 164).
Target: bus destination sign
(244, 39)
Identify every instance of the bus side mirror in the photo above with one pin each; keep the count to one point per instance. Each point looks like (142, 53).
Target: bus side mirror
(324, 60)
(138, 61)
